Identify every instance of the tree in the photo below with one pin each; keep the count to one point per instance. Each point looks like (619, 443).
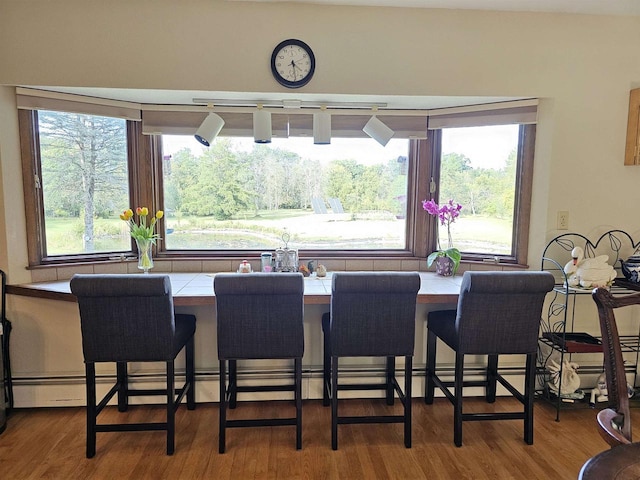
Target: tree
(84, 166)
(212, 184)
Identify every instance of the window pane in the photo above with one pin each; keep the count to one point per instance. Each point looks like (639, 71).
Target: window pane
(84, 182)
(478, 170)
(241, 195)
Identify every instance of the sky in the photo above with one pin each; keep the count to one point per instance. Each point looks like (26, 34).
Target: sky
(486, 147)
(366, 150)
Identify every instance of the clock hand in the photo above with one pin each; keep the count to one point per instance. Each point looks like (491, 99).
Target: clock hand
(293, 69)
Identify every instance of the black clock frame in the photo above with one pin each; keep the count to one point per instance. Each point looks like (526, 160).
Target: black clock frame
(274, 70)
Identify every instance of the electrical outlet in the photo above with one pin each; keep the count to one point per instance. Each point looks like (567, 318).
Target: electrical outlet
(563, 220)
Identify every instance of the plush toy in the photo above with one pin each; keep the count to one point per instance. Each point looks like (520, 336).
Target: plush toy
(599, 393)
(588, 272)
(570, 378)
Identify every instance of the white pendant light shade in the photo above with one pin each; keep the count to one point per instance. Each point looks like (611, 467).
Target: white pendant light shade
(378, 131)
(322, 128)
(262, 126)
(209, 129)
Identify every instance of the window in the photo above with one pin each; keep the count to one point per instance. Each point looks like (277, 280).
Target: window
(349, 195)
(80, 185)
(487, 170)
(352, 198)
(478, 170)
(84, 182)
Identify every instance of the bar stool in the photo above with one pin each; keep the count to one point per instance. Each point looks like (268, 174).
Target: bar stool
(372, 315)
(498, 313)
(259, 317)
(130, 318)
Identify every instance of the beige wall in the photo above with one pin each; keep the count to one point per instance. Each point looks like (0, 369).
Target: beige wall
(581, 67)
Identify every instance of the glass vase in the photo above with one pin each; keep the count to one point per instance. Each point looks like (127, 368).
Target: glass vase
(145, 258)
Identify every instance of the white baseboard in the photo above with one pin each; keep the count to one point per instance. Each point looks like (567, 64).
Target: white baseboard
(70, 392)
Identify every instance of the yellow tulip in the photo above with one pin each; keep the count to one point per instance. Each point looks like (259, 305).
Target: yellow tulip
(145, 211)
(126, 215)
(159, 214)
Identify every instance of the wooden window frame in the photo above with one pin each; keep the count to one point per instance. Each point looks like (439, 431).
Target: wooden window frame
(522, 202)
(412, 215)
(146, 188)
(140, 190)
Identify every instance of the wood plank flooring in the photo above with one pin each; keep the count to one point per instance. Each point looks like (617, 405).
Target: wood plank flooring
(50, 443)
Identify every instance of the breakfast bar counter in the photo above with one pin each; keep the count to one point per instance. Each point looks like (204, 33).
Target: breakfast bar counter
(193, 289)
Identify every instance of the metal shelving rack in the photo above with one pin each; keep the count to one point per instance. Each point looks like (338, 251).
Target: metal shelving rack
(561, 312)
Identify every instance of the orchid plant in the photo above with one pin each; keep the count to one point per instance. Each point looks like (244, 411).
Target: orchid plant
(446, 214)
(141, 230)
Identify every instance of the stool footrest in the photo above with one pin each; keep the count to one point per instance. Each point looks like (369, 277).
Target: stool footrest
(261, 422)
(493, 416)
(265, 388)
(142, 392)
(130, 427)
(378, 419)
(363, 386)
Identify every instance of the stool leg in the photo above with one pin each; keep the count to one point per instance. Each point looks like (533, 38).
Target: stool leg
(298, 395)
(429, 384)
(171, 410)
(492, 378)
(123, 386)
(457, 406)
(191, 374)
(391, 371)
(90, 372)
(326, 364)
(529, 391)
(334, 403)
(408, 368)
(223, 407)
(233, 383)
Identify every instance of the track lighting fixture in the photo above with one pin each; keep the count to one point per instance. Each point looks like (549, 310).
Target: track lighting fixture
(322, 127)
(261, 125)
(209, 129)
(378, 130)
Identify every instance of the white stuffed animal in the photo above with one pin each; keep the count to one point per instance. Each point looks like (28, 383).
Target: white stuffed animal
(570, 378)
(588, 272)
(600, 392)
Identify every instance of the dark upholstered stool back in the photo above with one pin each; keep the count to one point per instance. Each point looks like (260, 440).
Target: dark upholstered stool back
(373, 313)
(500, 313)
(259, 315)
(126, 318)
(130, 318)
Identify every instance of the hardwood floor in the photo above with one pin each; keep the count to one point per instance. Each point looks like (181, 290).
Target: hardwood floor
(50, 443)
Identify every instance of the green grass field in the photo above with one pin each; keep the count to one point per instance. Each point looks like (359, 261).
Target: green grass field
(265, 232)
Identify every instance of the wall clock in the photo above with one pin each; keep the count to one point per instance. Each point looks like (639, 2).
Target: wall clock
(293, 63)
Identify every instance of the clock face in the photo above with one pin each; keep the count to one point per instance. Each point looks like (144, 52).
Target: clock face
(293, 63)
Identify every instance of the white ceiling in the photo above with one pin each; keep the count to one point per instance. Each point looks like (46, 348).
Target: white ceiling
(592, 7)
(184, 97)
